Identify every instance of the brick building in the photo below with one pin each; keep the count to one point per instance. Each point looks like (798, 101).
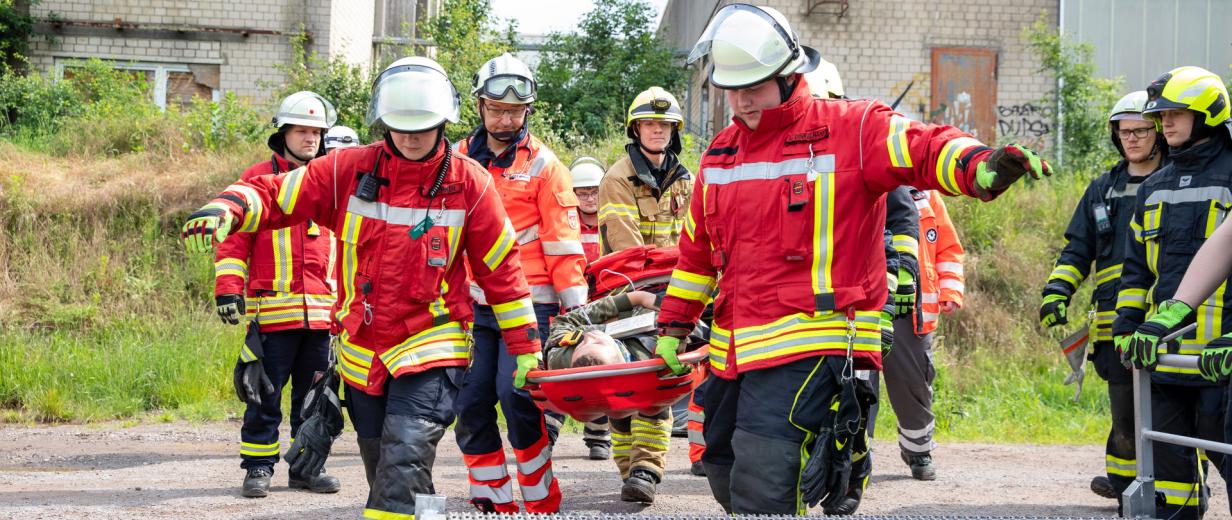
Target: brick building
(206, 48)
(965, 59)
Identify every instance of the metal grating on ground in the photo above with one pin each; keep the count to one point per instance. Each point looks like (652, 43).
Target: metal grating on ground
(580, 516)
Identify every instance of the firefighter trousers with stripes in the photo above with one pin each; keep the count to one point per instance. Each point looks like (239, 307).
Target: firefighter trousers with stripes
(290, 355)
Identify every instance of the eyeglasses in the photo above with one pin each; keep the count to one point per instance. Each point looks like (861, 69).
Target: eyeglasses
(1138, 133)
(499, 113)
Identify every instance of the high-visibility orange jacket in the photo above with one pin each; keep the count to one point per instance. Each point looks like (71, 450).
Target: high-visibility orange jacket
(403, 305)
(941, 261)
(537, 191)
(287, 275)
(788, 220)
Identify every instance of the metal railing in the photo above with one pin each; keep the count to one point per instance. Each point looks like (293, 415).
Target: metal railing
(1138, 500)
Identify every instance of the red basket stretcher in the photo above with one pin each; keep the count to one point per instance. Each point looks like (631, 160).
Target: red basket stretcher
(616, 391)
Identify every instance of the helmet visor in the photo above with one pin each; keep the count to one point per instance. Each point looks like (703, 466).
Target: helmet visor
(499, 86)
(747, 46)
(412, 98)
(335, 141)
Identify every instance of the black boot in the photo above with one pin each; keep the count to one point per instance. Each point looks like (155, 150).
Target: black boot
(321, 483)
(640, 487)
(1103, 487)
(257, 482)
(921, 465)
(369, 453)
(408, 450)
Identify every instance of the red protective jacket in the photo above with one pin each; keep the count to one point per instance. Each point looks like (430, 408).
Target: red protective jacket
(403, 305)
(590, 242)
(941, 261)
(537, 191)
(287, 275)
(792, 216)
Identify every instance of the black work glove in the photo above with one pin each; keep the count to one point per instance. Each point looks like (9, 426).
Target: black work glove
(249, 377)
(230, 308)
(322, 414)
(1052, 311)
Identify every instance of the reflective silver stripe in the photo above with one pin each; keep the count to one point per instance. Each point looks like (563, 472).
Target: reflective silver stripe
(573, 296)
(929, 297)
(498, 495)
(543, 294)
(514, 313)
(355, 353)
(562, 248)
(477, 294)
(922, 432)
(697, 416)
(485, 473)
(405, 216)
(950, 267)
(765, 171)
(1181, 196)
(541, 160)
(531, 466)
(590, 238)
(953, 285)
(929, 316)
(528, 235)
(812, 339)
(915, 447)
(537, 492)
(696, 437)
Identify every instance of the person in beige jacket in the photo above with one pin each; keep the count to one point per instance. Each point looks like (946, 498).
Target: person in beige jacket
(644, 197)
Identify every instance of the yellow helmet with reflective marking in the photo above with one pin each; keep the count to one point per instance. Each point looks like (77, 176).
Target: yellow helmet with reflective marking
(1189, 88)
(654, 103)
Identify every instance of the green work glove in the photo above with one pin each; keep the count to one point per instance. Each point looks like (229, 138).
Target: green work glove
(904, 294)
(1216, 360)
(887, 330)
(1052, 312)
(1143, 345)
(666, 348)
(230, 308)
(1006, 165)
(1122, 344)
(212, 223)
(526, 363)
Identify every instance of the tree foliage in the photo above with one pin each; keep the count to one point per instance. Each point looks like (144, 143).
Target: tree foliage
(465, 36)
(16, 26)
(588, 78)
(1083, 96)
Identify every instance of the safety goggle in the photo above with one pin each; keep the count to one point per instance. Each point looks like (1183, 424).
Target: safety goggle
(498, 86)
(337, 140)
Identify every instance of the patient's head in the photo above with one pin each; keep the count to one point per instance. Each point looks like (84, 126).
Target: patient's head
(596, 348)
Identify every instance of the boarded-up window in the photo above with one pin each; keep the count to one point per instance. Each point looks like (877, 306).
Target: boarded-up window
(182, 87)
(964, 90)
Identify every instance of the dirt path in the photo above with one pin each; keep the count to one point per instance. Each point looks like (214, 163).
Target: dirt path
(183, 470)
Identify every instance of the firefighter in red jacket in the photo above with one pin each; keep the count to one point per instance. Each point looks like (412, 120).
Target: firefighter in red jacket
(537, 193)
(792, 196)
(407, 212)
(282, 280)
(586, 173)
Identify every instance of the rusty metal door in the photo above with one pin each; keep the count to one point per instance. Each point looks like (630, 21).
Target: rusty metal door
(964, 90)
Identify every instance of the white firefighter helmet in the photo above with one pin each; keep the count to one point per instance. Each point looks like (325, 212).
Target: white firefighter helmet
(587, 172)
(413, 95)
(749, 44)
(825, 82)
(341, 137)
(505, 79)
(1129, 107)
(305, 108)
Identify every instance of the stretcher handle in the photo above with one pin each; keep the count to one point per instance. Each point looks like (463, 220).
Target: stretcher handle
(640, 367)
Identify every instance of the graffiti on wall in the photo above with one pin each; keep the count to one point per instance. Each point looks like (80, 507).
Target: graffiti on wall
(1024, 121)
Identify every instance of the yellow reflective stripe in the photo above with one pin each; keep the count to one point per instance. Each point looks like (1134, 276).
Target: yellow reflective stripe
(896, 142)
(823, 233)
(455, 239)
(253, 216)
(377, 514)
(514, 314)
(231, 266)
(720, 342)
(350, 237)
(246, 355)
(438, 308)
(501, 248)
(446, 341)
(1132, 298)
(1184, 494)
(801, 332)
(354, 361)
(649, 228)
(689, 225)
(689, 286)
(947, 163)
(1118, 466)
(288, 192)
(1150, 222)
(613, 209)
(1067, 273)
(283, 270)
(1108, 274)
(259, 450)
(905, 244)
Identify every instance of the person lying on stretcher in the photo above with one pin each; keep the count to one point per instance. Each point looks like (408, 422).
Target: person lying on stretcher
(577, 339)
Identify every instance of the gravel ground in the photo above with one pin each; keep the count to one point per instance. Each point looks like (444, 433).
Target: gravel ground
(181, 470)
